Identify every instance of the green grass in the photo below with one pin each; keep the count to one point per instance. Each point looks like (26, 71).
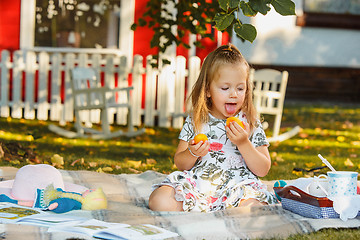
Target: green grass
(331, 130)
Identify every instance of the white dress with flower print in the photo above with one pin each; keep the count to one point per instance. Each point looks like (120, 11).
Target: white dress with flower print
(221, 178)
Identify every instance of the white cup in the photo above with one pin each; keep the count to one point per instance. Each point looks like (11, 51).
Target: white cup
(319, 186)
(342, 183)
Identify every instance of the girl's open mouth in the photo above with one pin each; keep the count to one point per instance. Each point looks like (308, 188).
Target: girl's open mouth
(230, 108)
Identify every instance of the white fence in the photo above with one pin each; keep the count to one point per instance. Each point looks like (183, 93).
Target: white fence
(31, 86)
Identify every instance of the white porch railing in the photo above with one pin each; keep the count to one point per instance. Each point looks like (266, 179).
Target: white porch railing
(37, 86)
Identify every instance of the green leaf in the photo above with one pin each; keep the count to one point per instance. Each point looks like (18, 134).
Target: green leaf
(165, 61)
(246, 9)
(142, 22)
(261, 6)
(133, 26)
(284, 7)
(225, 4)
(234, 3)
(223, 20)
(245, 31)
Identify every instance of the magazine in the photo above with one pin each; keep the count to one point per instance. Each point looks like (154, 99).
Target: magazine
(138, 232)
(52, 219)
(89, 227)
(104, 230)
(12, 213)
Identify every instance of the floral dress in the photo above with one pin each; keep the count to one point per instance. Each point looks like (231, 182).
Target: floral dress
(221, 178)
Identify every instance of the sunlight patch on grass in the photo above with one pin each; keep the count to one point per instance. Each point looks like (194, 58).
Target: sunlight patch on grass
(331, 133)
(16, 136)
(82, 142)
(320, 143)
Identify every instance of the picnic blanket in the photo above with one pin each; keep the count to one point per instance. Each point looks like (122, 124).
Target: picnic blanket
(128, 197)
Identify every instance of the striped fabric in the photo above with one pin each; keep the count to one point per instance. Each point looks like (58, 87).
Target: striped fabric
(128, 197)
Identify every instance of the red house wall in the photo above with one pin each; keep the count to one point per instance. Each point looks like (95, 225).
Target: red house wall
(10, 31)
(142, 35)
(10, 24)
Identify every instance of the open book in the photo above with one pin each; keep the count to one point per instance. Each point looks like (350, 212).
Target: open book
(12, 213)
(105, 230)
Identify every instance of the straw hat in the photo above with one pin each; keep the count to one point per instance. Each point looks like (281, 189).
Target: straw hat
(32, 177)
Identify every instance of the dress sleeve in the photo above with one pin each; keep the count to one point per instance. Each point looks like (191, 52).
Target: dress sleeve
(187, 132)
(258, 138)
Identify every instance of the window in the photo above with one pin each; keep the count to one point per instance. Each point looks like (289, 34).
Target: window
(77, 23)
(330, 13)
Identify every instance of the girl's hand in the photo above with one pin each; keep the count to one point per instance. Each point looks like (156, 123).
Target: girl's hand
(236, 133)
(200, 149)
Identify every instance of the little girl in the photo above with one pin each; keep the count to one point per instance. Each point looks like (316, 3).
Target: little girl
(223, 171)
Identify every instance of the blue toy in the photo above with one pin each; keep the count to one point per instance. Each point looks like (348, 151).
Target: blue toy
(279, 183)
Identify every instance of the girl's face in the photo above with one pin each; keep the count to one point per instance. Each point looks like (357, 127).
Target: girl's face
(227, 90)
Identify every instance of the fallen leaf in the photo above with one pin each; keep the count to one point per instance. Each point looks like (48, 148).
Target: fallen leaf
(57, 160)
(297, 173)
(93, 164)
(150, 131)
(348, 163)
(134, 170)
(133, 163)
(81, 161)
(1, 152)
(340, 138)
(107, 169)
(309, 164)
(303, 135)
(15, 162)
(150, 161)
(35, 160)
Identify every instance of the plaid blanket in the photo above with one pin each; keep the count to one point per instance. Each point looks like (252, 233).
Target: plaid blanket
(128, 195)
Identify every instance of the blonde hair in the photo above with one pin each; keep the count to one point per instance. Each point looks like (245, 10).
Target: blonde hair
(200, 103)
(90, 200)
(94, 200)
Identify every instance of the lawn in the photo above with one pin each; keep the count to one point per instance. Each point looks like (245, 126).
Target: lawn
(330, 129)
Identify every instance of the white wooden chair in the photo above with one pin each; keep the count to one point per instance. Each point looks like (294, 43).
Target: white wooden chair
(89, 95)
(269, 95)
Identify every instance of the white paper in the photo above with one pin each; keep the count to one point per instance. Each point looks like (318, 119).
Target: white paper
(89, 227)
(52, 219)
(138, 232)
(106, 230)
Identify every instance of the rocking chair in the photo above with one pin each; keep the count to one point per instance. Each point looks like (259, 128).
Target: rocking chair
(89, 95)
(269, 94)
